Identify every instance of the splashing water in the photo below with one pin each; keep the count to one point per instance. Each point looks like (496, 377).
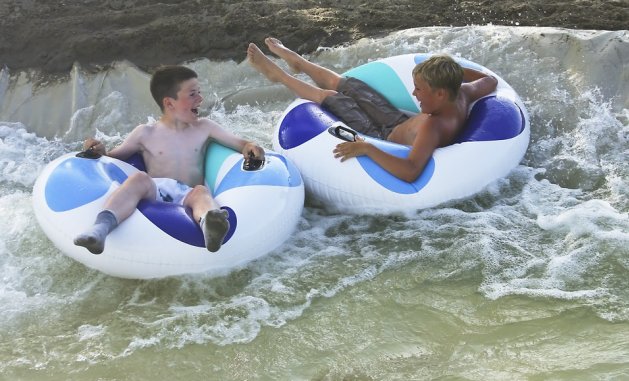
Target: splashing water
(514, 283)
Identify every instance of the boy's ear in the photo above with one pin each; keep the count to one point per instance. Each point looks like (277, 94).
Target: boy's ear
(167, 102)
(442, 93)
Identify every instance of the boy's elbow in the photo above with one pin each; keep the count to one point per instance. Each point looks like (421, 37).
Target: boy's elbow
(410, 178)
(411, 174)
(411, 169)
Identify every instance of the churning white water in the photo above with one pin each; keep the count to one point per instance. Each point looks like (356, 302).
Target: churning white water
(527, 280)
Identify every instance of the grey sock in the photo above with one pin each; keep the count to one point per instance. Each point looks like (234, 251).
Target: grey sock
(94, 239)
(215, 226)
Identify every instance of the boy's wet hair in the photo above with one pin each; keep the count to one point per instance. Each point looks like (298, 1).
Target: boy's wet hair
(166, 80)
(441, 72)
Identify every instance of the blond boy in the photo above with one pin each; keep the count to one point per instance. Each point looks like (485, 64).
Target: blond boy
(439, 88)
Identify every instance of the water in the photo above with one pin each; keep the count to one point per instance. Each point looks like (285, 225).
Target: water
(528, 280)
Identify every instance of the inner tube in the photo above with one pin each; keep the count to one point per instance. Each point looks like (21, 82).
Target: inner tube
(264, 201)
(493, 142)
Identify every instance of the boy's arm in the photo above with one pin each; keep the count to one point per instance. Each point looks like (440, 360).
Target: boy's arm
(129, 146)
(470, 75)
(226, 138)
(477, 84)
(407, 169)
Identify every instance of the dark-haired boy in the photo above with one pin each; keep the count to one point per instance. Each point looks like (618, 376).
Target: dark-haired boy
(173, 149)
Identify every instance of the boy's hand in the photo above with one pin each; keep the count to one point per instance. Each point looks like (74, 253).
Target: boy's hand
(94, 145)
(348, 150)
(252, 149)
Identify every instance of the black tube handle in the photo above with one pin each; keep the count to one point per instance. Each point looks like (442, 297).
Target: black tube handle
(344, 133)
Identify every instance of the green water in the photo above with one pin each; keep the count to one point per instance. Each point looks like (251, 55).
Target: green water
(527, 280)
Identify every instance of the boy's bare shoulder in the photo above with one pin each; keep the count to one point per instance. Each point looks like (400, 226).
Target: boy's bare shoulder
(208, 126)
(207, 122)
(144, 127)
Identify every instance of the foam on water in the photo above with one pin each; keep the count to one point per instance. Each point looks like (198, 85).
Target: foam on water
(555, 229)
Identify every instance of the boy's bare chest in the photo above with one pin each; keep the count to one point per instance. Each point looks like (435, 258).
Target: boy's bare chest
(407, 132)
(175, 143)
(175, 155)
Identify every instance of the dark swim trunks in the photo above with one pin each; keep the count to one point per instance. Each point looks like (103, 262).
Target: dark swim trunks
(363, 108)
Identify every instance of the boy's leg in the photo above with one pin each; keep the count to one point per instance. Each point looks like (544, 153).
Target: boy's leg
(118, 208)
(213, 221)
(275, 74)
(323, 77)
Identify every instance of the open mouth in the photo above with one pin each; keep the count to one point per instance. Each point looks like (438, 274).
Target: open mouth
(195, 111)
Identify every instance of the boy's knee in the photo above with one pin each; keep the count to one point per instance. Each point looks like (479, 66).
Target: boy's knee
(198, 196)
(326, 93)
(199, 191)
(140, 180)
(140, 177)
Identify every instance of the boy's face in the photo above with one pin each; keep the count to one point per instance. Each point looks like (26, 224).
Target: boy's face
(186, 107)
(426, 95)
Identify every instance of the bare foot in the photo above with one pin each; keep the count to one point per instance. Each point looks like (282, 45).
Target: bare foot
(263, 64)
(292, 59)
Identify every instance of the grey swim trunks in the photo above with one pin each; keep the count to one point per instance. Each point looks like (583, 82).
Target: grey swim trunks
(363, 108)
